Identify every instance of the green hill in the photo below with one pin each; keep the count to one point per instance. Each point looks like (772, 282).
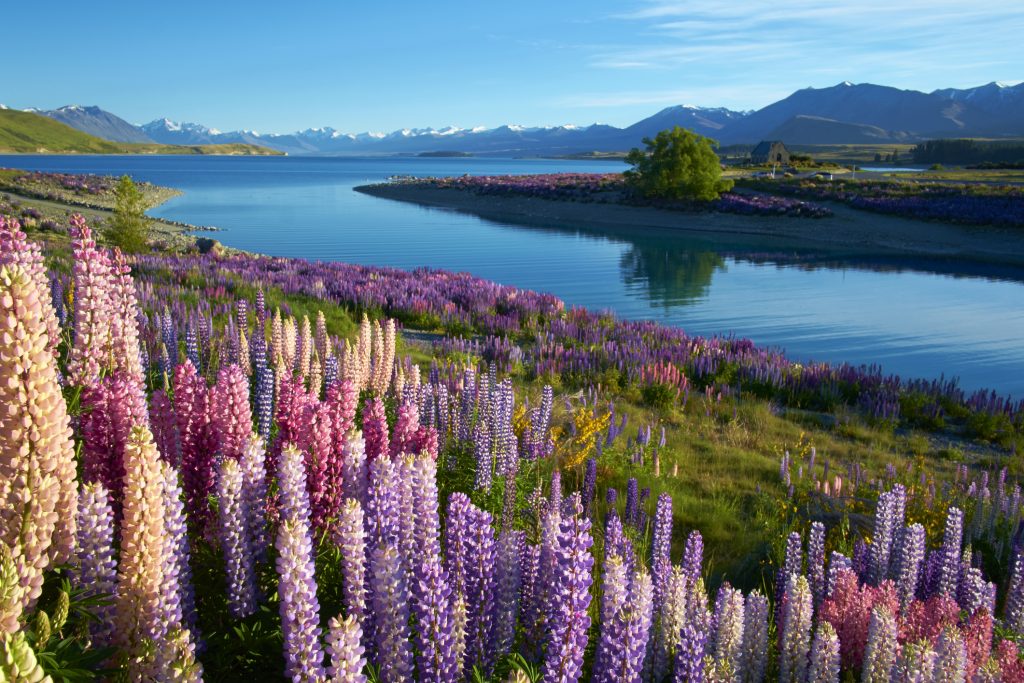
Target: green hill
(28, 133)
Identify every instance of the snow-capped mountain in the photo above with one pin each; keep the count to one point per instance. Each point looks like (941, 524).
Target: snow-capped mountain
(170, 132)
(843, 113)
(96, 121)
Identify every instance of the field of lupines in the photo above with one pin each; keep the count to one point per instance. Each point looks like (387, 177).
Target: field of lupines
(970, 204)
(198, 484)
(612, 188)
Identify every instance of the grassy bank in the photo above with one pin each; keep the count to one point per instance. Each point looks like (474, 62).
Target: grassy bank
(28, 133)
(44, 202)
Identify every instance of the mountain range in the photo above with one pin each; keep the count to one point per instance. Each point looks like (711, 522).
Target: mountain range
(846, 113)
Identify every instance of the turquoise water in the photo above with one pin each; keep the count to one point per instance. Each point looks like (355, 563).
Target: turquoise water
(920, 319)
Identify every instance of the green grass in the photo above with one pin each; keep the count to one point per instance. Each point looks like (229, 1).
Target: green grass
(25, 132)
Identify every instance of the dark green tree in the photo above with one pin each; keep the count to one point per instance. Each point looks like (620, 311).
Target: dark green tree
(677, 164)
(129, 226)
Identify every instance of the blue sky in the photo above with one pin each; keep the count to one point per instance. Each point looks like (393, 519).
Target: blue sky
(279, 67)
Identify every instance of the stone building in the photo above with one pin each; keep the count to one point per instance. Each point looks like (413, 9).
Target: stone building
(770, 152)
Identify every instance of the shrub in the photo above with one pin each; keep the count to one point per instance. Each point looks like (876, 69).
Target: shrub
(677, 164)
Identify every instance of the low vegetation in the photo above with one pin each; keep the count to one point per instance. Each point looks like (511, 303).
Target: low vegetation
(242, 467)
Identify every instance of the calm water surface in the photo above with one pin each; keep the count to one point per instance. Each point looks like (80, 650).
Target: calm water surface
(917, 320)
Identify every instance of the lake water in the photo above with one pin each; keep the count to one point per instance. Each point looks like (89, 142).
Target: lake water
(917, 320)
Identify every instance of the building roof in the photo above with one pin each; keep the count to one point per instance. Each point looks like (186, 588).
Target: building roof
(765, 146)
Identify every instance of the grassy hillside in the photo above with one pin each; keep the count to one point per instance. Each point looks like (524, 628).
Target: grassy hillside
(25, 132)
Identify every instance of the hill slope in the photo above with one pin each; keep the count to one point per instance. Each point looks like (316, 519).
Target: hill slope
(25, 132)
(95, 121)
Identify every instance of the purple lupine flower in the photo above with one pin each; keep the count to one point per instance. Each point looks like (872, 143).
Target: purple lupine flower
(949, 577)
(977, 592)
(427, 524)
(299, 608)
(569, 619)
(861, 559)
(837, 563)
(882, 538)
(824, 655)
(880, 654)
(457, 530)
(916, 663)
(391, 613)
(755, 638)
(177, 554)
(537, 614)
(254, 494)
(626, 612)
(502, 435)
(614, 597)
(816, 562)
(689, 664)
(509, 579)
(693, 556)
(795, 636)
(344, 645)
(530, 594)
(482, 450)
(661, 546)
(632, 512)
(671, 616)
(330, 372)
(479, 593)
(264, 401)
(1015, 596)
(555, 497)
(405, 506)
(239, 555)
(908, 563)
(950, 657)
(291, 477)
(589, 486)
(433, 611)
(96, 571)
(728, 629)
(350, 537)
(792, 564)
(353, 468)
(382, 505)
(192, 346)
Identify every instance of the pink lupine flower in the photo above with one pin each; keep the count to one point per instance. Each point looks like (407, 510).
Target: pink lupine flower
(978, 640)
(926, 620)
(848, 609)
(164, 424)
(230, 413)
(343, 398)
(94, 306)
(375, 429)
(16, 249)
(191, 404)
(406, 424)
(124, 326)
(38, 490)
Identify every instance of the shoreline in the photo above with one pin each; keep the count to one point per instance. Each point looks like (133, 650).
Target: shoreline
(849, 231)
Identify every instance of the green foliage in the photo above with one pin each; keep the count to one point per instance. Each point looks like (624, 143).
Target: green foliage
(677, 164)
(657, 395)
(129, 226)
